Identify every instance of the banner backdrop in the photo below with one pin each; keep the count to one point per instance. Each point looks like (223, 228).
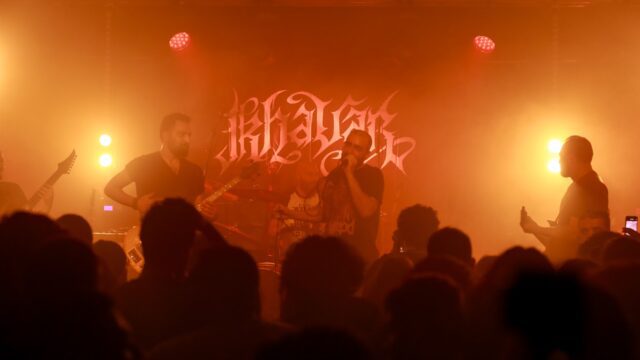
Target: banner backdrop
(282, 127)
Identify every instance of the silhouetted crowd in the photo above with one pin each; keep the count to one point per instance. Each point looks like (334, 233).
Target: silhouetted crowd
(66, 297)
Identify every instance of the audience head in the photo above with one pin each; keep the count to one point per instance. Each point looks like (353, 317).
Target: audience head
(226, 285)
(622, 248)
(451, 268)
(27, 230)
(112, 264)
(482, 267)
(425, 319)
(64, 267)
(451, 242)
(621, 280)
(591, 223)
(69, 317)
(167, 234)
(580, 268)
(512, 263)
(557, 316)
(592, 247)
(321, 266)
(575, 156)
(20, 235)
(77, 227)
(415, 225)
(385, 274)
(423, 301)
(316, 344)
(530, 311)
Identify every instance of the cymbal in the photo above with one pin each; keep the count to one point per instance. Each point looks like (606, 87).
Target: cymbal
(261, 195)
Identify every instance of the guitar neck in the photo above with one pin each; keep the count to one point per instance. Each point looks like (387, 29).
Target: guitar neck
(223, 189)
(37, 196)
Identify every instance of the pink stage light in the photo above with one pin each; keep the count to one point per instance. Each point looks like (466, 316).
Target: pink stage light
(180, 41)
(484, 44)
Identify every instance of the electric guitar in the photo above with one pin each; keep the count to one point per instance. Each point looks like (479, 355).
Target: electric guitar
(133, 246)
(64, 167)
(246, 173)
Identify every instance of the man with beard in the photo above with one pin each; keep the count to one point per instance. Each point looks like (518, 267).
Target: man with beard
(586, 194)
(162, 174)
(351, 196)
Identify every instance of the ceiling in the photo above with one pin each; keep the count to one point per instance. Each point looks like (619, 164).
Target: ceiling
(350, 3)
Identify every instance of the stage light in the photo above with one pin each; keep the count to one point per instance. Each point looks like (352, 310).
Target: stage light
(180, 41)
(554, 165)
(554, 146)
(105, 160)
(484, 44)
(105, 140)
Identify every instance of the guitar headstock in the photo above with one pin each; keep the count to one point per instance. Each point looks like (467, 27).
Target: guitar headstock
(65, 166)
(250, 171)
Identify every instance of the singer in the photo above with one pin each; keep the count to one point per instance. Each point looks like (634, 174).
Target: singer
(351, 196)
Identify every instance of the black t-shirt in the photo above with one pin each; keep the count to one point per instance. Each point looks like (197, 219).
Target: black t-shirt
(583, 195)
(12, 197)
(152, 174)
(341, 215)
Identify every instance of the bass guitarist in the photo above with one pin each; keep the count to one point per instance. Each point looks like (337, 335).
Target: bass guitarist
(163, 174)
(586, 194)
(12, 198)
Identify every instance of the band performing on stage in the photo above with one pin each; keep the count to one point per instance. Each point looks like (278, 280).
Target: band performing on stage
(319, 179)
(346, 203)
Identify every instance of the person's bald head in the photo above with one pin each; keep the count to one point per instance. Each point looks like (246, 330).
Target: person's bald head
(362, 135)
(576, 154)
(307, 175)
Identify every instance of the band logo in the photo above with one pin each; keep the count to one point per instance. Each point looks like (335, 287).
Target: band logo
(287, 126)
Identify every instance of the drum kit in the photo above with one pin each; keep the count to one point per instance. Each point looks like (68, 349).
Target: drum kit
(267, 240)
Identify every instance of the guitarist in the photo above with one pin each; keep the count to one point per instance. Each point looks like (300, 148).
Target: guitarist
(162, 174)
(586, 194)
(12, 198)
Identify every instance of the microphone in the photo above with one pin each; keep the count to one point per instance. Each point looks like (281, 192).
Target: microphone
(344, 162)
